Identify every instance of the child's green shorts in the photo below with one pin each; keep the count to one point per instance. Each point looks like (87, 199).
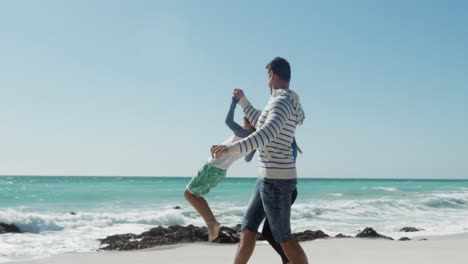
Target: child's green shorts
(207, 178)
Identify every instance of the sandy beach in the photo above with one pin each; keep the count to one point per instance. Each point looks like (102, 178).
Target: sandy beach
(325, 251)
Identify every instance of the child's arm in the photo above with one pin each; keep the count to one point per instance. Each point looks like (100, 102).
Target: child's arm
(249, 157)
(236, 128)
(250, 112)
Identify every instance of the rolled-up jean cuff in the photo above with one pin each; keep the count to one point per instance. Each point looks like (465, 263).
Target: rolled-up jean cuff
(285, 239)
(251, 229)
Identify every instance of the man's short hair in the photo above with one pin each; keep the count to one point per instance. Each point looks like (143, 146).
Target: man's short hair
(281, 68)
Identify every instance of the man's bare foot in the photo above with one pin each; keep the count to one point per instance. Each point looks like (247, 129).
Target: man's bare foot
(213, 231)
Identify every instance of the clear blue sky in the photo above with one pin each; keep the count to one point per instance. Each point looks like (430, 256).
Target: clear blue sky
(142, 87)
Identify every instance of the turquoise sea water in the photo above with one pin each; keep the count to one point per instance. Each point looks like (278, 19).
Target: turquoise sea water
(41, 207)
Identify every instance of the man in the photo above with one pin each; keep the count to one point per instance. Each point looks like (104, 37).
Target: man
(271, 198)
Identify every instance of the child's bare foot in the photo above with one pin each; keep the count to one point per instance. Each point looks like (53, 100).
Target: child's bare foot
(213, 231)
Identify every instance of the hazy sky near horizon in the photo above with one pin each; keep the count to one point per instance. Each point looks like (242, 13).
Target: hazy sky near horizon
(142, 87)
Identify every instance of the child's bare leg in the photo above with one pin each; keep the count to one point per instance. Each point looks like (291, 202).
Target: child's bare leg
(202, 207)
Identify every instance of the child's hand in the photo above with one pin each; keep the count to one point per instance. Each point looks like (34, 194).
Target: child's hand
(218, 150)
(238, 93)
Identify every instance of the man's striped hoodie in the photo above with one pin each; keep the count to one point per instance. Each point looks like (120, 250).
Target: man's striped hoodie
(276, 127)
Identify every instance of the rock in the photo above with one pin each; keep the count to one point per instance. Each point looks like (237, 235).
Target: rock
(368, 232)
(342, 236)
(238, 229)
(410, 229)
(310, 235)
(176, 207)
(9, 228)
(227, 236)
(302, 236)
(120, 242)
(72, 213)
(404, 239)
(159, 236)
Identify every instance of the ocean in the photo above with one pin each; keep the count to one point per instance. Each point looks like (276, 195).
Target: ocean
(69, 214)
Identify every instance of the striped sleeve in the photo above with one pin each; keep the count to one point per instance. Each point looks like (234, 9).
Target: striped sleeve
(250, 112)
(279, 112)
(300, 118)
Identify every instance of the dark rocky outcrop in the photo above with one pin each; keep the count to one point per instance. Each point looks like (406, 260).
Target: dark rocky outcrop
(410, 229)
(404, 239)
(159, 236)
(229, 235)
(310, 235)
(342, 236)
(368, 232)
(9, 228)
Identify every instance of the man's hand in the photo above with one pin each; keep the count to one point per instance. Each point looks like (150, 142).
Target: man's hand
(218, 150)
(238, 93)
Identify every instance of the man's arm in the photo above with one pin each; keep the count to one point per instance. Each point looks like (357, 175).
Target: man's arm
(280, 111)
(236, 128)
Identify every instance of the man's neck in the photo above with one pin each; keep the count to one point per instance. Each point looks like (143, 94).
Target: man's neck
(280, 85)
(278, 88)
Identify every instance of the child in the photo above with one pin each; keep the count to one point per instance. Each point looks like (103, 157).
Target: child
(214, 171)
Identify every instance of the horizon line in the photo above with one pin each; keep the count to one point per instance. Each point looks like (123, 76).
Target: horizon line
(235, 177)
